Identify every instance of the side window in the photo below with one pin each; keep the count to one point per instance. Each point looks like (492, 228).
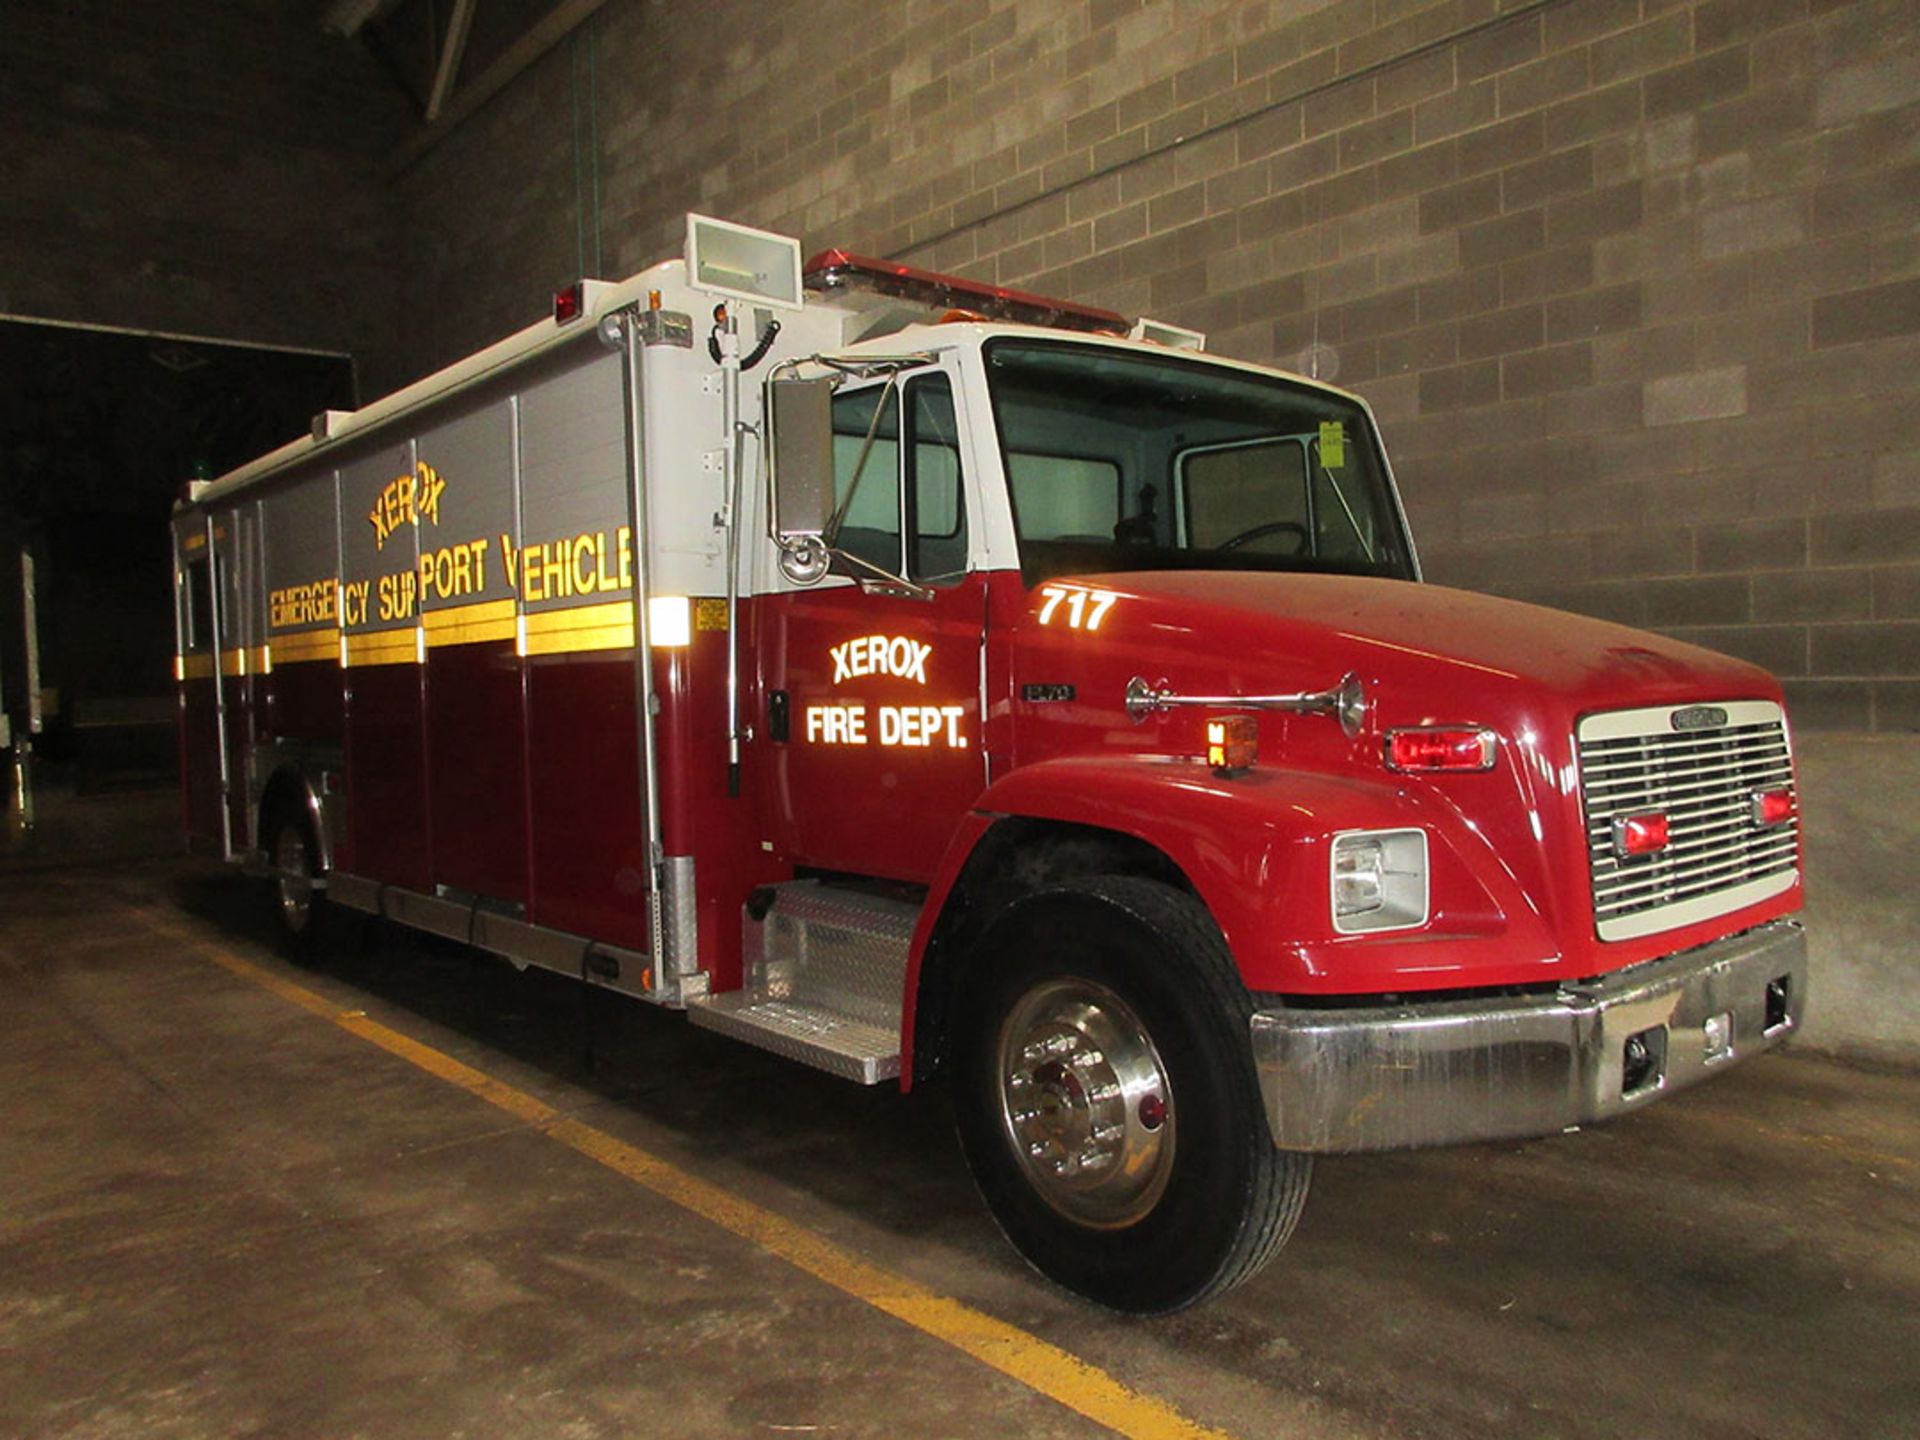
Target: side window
(866, 475)
(198, 620)
(880, 499)
(1244, 490)
(935, 505)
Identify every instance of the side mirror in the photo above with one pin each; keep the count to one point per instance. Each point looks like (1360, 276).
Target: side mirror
(802, 472)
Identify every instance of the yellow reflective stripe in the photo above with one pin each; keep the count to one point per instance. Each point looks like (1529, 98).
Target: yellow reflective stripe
(470, 624)
(384, 647)
(195, 667)
(607, 626)
(245, 660)
(582, 627)
(304, 645)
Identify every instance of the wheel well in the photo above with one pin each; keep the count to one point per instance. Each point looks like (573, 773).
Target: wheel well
(1018, 855)
(286, 792)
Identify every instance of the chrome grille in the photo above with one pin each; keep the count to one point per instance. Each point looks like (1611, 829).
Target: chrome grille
(1633, 762)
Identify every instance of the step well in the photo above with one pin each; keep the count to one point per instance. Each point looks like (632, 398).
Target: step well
(825, 974)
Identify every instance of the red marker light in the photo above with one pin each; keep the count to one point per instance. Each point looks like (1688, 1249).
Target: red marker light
(570, 303)
(1772, 807)
(1440, 748)
(1639, 835)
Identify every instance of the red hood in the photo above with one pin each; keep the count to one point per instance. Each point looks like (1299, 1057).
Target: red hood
(1423, 643)
(1427, 655)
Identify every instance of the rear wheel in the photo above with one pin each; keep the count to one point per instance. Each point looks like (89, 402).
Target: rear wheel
(1107, 1099)
(298, 902)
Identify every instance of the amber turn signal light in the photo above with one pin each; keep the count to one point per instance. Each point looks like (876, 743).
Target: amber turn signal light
(1233, 744)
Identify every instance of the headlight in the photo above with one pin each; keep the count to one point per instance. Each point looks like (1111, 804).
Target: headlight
(1379, 880)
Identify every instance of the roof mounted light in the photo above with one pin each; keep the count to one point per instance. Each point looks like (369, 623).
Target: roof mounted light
(570, 304)
(841, 271)
(1174, 337)
(742, 263)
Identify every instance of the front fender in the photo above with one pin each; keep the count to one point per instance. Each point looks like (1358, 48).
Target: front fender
(1256, 849)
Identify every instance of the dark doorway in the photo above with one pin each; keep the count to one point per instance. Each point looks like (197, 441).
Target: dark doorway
(99, 431)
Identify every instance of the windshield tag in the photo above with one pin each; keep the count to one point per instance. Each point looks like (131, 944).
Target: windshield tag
(1333, 444)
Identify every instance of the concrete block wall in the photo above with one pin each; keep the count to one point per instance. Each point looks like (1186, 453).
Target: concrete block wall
(1634, 284)
(203, 167)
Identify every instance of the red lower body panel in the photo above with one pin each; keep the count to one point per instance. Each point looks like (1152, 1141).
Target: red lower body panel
(586, 830)
(200, 746)
(304, 702)
(476, 768)
(386, 775)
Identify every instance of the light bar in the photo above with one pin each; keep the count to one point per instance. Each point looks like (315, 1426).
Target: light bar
(833, 270)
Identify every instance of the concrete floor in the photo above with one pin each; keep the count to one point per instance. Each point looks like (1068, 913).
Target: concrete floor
(222, 1215)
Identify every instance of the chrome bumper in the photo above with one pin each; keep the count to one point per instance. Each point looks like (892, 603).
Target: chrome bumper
(1391, 1077)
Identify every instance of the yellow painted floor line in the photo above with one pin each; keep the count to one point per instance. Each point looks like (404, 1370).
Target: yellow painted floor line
(1041, 1367)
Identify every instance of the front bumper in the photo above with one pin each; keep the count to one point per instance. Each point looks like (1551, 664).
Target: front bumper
(1392, 1077)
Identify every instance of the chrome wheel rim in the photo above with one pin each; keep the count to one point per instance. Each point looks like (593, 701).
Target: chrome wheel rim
(295, 882)
(1085, 1104)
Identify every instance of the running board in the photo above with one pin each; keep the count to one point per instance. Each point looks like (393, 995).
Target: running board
(825, 972)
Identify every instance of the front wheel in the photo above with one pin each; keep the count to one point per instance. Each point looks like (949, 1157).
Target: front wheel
(1107, 1100)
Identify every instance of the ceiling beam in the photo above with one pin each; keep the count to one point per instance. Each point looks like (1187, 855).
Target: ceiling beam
(454, 46)
(346, 17)
(540, 37)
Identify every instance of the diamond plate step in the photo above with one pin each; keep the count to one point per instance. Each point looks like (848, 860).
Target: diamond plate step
(811, 1034)
(825, 969)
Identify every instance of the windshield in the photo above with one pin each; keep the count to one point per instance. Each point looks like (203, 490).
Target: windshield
(1121, 461)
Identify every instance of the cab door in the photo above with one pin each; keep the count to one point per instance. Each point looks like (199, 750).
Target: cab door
(871, 724)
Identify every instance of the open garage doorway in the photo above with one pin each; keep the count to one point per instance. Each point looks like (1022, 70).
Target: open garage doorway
(99, 431)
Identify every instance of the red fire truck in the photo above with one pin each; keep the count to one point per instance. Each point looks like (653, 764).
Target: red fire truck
(911, 676)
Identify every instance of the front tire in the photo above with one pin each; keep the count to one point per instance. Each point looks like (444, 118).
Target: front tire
(1107, 1100)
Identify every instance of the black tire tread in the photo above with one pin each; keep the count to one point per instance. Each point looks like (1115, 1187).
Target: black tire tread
(1280, 1188)
(1217, 1008)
